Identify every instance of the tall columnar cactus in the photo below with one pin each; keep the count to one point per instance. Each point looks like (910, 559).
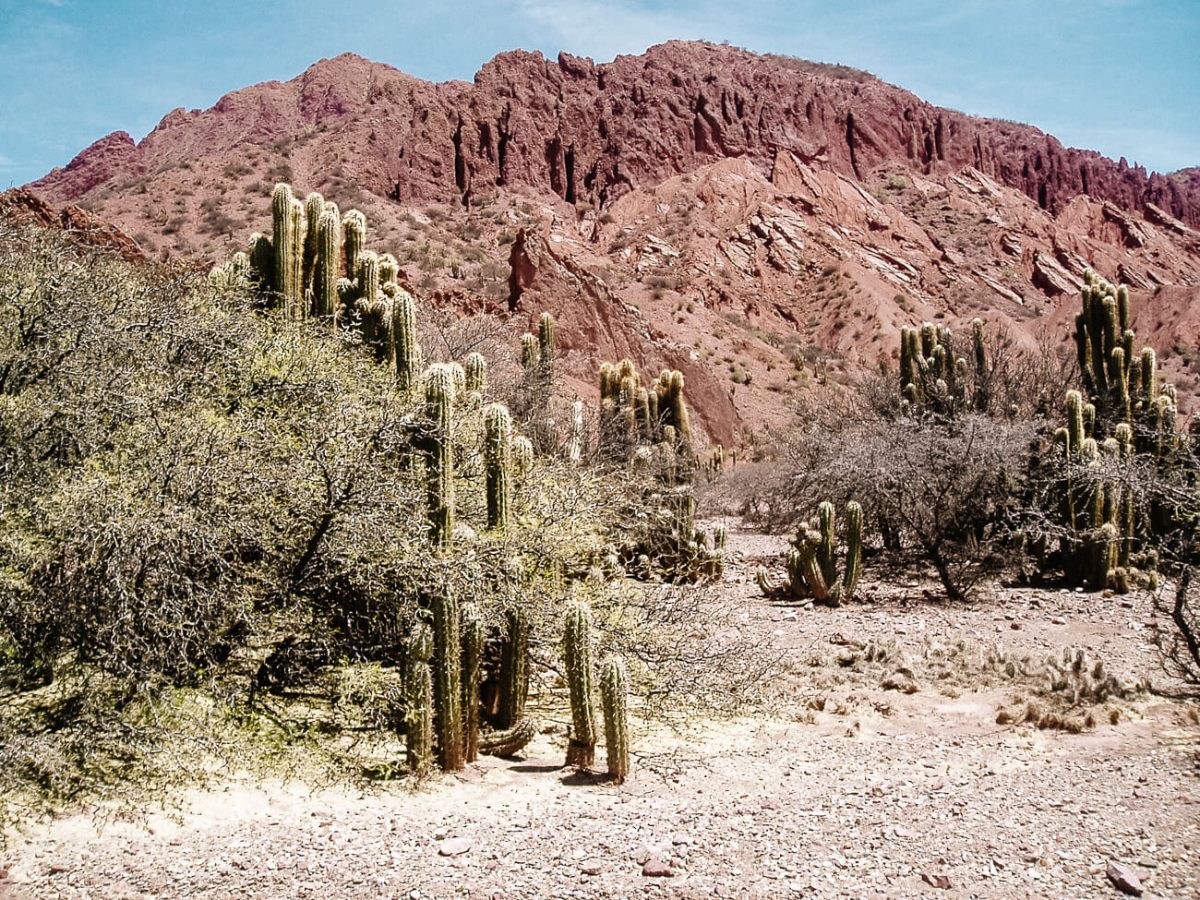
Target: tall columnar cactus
(472, 667)
(314, 206)
(577, 646)
(530, 357)
(476, 371)
(404, 339)
(389, 269)
(328, 263)
(439, 465)
(522, 456)
(514, 667)
(982, 396)
(447, 679)
(354, 226)
(497, 425)
(262, 260)
(418, 692)
(546, 350)
(287, 215)
(575, 445)
(614, 695)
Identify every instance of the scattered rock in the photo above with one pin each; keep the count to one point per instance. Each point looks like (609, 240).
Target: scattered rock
(591, 866)
(942, 882)
(456, 846)
(1124, 879)
(656, 868)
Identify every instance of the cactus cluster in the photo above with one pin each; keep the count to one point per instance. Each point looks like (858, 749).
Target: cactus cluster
(812, 568)
(316, 264)
(934, 379)
(632, 415)
(1125, 411)
(650, 429)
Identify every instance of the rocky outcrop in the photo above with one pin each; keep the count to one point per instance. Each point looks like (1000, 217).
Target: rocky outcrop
(20, 205)
(589, 133)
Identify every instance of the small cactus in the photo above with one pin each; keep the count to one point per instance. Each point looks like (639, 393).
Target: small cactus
(476, 374)
(530, 357)
(812, 560)
(546, 350)
(577, 645)
(328, 262)
(522, 455)
(614, 694)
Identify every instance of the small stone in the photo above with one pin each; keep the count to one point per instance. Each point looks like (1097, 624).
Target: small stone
(656, 868)
(942, 882)
(454, 847)
(591, 866)
(1124, 879)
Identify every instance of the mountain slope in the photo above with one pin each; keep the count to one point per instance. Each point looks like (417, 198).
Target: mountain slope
(758, 221)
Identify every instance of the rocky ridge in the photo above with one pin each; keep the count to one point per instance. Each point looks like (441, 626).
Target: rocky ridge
(759, 222)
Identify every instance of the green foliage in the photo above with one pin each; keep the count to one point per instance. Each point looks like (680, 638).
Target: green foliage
(199, 495)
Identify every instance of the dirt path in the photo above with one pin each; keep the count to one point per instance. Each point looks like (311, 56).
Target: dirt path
(857, 791)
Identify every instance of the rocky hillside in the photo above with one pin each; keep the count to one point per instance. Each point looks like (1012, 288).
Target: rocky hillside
(759, 222)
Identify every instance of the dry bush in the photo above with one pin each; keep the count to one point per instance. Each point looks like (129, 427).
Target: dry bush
(212, 534)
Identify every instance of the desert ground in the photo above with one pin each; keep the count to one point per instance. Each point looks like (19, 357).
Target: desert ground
(881, 771)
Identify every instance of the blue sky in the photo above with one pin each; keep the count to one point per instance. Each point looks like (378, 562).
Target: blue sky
(1119, 76)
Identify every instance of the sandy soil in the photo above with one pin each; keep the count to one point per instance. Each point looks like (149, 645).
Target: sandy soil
(850, 790)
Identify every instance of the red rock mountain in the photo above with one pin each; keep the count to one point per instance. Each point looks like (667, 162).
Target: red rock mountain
(752, 219)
